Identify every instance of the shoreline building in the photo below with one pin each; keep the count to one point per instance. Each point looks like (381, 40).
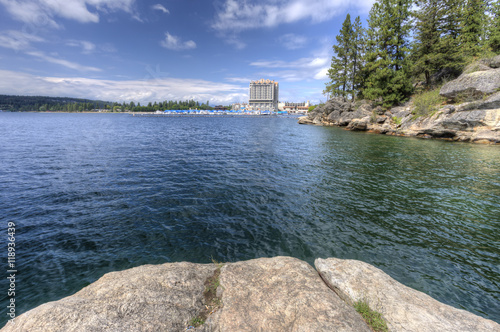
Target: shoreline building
(264, 95)
(294, 108)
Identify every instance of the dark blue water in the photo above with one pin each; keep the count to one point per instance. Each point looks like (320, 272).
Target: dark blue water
(94, 193)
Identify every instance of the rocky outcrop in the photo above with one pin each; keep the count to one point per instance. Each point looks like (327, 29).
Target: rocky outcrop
(472, 85)
(265, 294)
(403, 308)
(475, 120)
(146, 298)
(280, 294)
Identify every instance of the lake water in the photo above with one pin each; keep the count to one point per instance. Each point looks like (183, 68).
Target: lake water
(94, 193)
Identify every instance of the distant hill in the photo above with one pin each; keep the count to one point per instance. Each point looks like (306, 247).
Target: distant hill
(42, 103)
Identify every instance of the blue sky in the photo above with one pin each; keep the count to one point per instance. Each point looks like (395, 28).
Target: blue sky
(141, 51)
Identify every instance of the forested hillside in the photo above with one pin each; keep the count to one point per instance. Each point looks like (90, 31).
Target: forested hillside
(411, 46)
(62, 104)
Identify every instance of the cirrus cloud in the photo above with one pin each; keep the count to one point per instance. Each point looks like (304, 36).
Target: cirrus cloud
(18, 40)
(161, 8)
(44, 12)
(252, 14)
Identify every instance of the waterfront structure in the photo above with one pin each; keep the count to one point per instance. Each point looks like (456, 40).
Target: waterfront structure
(295, 108)
(264, 95)
(240, 106)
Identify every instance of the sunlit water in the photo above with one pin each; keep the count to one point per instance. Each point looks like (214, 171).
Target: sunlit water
(94, 193)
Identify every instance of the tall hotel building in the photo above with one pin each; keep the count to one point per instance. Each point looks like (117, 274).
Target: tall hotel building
(264, 95)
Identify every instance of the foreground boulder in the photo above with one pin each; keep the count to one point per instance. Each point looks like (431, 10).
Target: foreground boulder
(145, 298)
(265, 294)
(280, 294)
(403, 308)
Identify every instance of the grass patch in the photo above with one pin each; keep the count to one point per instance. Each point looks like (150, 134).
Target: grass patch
(211, 303)
(372, 318)
(196, 321)
(397, 120)
(426, 103)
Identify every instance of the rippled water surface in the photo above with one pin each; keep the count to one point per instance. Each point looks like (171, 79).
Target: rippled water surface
(94, 193)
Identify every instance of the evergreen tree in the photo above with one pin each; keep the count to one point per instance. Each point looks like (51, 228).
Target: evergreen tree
(473, 26)
(425, 53)
(358, 50)
(494, 31)
(436, 47)
(341, 68)
(371, 52)
(389, 70)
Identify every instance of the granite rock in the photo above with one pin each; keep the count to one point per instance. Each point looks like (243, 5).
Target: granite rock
(146, 298)
(280, 294)
(473, 85)
(403, 308)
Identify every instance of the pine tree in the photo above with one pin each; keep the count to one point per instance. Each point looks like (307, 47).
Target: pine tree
(427, 38)
(436, 47)
(341, 68)
(494, 31)
(358, 50)
(389, 69)
(371, 52)
(473, 28)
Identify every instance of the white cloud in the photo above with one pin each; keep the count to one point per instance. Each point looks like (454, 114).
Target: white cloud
(160, 7)
(142, 91)
(18, 40)
(239, 79)
(322, 74)
(44, 12)
(301, 63)
(303, 69)
(62, 62)
(174, 43)
(87, 47)
(292, 41)
(239, 15)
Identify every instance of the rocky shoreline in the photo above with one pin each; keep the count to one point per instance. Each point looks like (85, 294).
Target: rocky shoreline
(477, 120)
(265, 294)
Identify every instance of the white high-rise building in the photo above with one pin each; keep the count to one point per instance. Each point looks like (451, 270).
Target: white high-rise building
(264, 95)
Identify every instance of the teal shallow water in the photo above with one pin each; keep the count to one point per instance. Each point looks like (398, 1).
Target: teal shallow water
(94, 193)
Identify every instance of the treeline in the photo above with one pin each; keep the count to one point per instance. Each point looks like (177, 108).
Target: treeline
(166, 105)
(40, 103)
(409, 43)
(61, 104)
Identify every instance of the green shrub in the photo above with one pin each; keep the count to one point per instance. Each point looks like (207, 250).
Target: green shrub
(397, 120)
(372, 318)
(426, 103)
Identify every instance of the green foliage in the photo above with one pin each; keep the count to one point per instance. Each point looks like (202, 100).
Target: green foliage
(53, 104)
(436, 44)
(373, 318)
(388, 69)
(339, 72)
(196, 321)
(494, 27)
(58, 104)
(397, 120)
(473, 26)
(345, 72)
(426, 103)
(312, 107)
